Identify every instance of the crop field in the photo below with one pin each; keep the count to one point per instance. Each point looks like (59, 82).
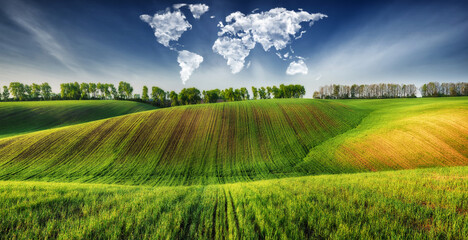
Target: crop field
(399, 134)
(415, 204)
(244, 141)
(257, 169)
(23, 117)
(200, 144)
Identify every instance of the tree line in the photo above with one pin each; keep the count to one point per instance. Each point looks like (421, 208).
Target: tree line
(435, 89)
(157, 97)
(381, 90)
(22, 92)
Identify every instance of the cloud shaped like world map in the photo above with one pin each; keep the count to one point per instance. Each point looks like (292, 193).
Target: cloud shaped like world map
(237, 36)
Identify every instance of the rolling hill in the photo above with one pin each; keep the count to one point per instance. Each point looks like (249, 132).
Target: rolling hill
(408, 204)
(23, 117)
(244, 141)
(215, 143)
(397, 134)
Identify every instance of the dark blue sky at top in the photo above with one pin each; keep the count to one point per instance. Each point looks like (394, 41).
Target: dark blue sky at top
(359, 42)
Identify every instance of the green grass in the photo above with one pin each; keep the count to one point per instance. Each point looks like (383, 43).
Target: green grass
(409, 204)
(23, 117)
(235, 170)
(201, 144)
(397, 134)
(245, 141)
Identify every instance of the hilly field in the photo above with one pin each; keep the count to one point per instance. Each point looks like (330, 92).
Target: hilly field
(245, 141)
(408, 204)
(23, 117)
(235, 170)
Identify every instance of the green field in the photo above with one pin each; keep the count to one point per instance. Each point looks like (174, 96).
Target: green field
(408, 204)
(23, 117)
(244, 141)
(238, 170)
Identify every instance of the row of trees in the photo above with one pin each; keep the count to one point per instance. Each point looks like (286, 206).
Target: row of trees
(435, 89)
(283, 91)
(194, 96)
(23, 92)
(381, 90)
(76, 91)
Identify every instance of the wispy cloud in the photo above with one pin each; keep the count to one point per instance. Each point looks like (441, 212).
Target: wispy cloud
(30, 19)
(403, 49)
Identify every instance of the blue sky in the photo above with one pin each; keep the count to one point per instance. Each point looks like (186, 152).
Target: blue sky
(358, 42)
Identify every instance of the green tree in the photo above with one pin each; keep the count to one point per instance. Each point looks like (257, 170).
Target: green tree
(6, 93)
(125, 90)
(189, 96)
(46, 91)
(145, 96)
(17, 90)
(262, 93)
(84, 87)
(254, 93)
(211, 96)
(92, 89)
(244, 93)
(27, 91)
(114, 92)
(159, 96)
(35, 91)
(174, 98)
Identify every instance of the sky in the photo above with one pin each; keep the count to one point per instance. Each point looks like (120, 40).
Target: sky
(221, 44)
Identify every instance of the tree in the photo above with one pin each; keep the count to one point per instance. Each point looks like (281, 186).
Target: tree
(269, 92)
(27, 91)
(93, 89)
(107, 91)
(244, 93)
(189, 96)
(46, 91)
(211, 96)
(276, 92)
(254, 93)
(144, 96)
(6, 93)
(174, 98)
(17, 90)
(84, 87)
(262, 93)
(114, 92)
(159, 96)
(35, 91)
(316, 95)
(125, 90)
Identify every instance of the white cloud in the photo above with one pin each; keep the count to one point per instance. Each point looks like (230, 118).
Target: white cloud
(167, 26)
(234, 50)
(271, 29)
(188, 62)
(274, 28)
(297, 67)
(198, 9)
(179, 5)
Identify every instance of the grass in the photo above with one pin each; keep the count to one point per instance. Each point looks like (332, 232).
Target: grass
(24, 117)
(409, 204)
(398, 134)
(201, 144)
(238, 170)
(244, 141)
